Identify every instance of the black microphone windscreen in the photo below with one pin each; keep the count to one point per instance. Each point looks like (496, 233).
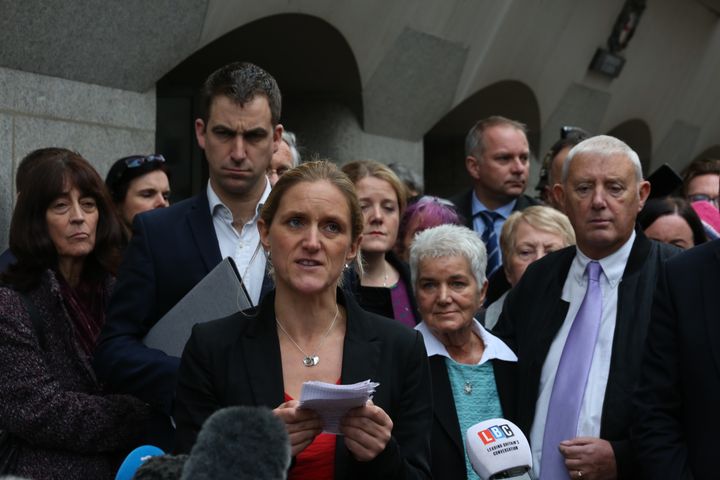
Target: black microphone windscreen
(240, 443)
(162, 467)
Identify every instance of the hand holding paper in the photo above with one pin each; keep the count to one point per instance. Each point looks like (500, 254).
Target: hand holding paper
(302, 425)
(367, 431)
(332, 401)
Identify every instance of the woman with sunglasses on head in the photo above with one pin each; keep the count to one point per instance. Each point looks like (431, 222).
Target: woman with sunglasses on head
(66, 238)
(137, 184)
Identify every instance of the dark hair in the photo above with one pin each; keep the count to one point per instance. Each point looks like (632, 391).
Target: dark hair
(474, 138)
(30, 240)
(557, 147)
(29, 162)
(315, 171)
(701, 166)
(120, 176)
(660, 207)
(241, 82)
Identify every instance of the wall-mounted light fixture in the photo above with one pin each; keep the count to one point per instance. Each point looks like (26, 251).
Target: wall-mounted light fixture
(608, 61)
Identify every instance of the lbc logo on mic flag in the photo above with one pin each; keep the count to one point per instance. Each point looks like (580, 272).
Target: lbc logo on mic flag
(494, 433)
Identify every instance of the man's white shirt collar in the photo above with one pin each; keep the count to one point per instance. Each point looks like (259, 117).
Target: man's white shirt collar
(613, 266)
(214, 201)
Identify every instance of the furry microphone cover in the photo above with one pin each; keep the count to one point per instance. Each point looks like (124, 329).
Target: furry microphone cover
(162, 467)
(240, 443)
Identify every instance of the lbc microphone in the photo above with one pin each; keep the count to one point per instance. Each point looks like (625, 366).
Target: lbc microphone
(240, 443)
(497, 448)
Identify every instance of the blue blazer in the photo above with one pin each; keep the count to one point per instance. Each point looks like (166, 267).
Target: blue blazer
(171, 250)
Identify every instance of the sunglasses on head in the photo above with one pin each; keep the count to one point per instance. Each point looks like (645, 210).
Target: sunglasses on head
(134, 162)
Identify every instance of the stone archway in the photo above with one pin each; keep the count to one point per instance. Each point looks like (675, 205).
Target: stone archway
(710, 152)
(444, 164)
(311, 61)
(636, 133)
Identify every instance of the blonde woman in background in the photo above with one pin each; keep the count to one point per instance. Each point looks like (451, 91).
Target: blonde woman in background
(526, 236)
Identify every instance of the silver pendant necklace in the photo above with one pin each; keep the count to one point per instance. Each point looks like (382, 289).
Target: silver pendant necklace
(467, 388)
(312, 359)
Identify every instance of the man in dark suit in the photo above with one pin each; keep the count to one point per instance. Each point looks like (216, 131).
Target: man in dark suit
(578, 318)
(172, 249)
(497, 158)
(676, 433)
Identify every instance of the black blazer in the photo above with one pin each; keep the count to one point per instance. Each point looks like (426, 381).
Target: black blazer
(534, 312)
(446, 446)
(236, 361)
(676, 434)
(171, 250)
(351, 285)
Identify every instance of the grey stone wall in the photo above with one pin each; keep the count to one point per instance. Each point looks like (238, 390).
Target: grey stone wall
(331, 130)
(100, 123)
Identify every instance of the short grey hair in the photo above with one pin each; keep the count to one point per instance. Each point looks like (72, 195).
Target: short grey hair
(449, 241)
(291, 141)
(603, 146)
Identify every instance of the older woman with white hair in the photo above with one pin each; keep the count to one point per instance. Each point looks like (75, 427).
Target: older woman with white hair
(447, 264)
(528, 235)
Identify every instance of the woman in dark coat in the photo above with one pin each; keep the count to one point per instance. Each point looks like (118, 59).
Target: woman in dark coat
(307, 329)
(65, 236)
(383, 285)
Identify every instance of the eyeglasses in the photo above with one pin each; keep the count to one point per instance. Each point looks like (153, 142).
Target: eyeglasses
(134, 162)
(701, 197)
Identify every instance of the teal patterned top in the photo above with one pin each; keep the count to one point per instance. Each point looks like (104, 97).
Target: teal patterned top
(476, 397)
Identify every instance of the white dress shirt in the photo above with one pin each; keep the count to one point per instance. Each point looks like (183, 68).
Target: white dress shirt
(494, 347)
(573, 292)
(244, 246)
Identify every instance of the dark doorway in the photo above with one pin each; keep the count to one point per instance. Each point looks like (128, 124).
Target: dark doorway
(309, 58)
(444, 162)
(637, 135)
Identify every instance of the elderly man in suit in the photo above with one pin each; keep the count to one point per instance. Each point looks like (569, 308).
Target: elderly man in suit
(173, 248)
(578, 318)
(678, 422)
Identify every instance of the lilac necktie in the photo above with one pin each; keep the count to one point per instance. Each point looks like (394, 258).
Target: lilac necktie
(571, 378)
(489, 237)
